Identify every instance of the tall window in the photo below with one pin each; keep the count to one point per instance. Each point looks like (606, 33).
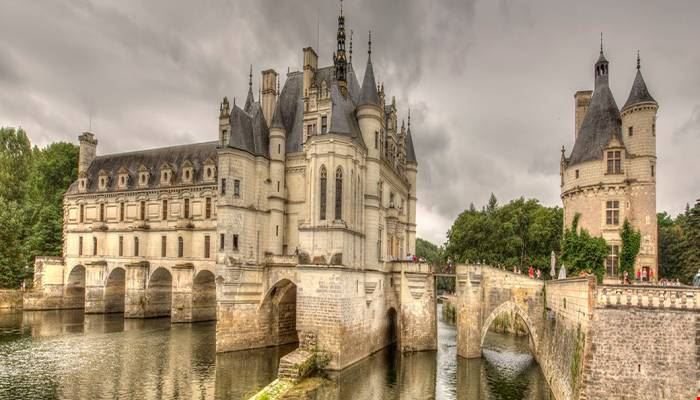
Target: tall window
(121, 246)
(136, 246)
(223, 185)
(164, 212)
(614, 162)
(235, 242)
(379, 245)
(612, 212)
(339, 194)
(82, 213)
(630, 131)
(80, 245)
(163, 246)
(376, 140)
(207, 247)
(652, 171)
(653, 129)
(324, 124)
(143, 210)
(94, 246)
(207, 208)
(187, 208)
(121, 211)
(102, 212)
(612, 261)
(236, 188)
(324, 179)
(222, 238)
(180, 247)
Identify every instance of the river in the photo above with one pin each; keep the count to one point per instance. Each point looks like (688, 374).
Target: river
(70, 355)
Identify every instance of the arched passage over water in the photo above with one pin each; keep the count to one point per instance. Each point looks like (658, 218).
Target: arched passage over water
(511, 310)
(281, 305)
(115, 290)
(392, 328)
(74, 291)
(159, 294)
(204, 297)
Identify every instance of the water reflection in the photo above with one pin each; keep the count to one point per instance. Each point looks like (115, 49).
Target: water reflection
(69, 355)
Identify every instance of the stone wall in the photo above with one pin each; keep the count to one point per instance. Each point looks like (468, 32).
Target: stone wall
(567, 312)
(644, 344)
(10, 298)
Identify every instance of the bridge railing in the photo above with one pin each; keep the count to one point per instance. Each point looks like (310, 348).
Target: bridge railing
(660, 297)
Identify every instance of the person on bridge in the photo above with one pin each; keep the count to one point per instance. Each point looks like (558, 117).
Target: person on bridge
(531, 272)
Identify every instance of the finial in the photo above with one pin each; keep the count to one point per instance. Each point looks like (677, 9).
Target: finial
(409, 118)
(601, 42)
(369, 49)
(350, 46)
(341, 8)
(278, 84)
(562, 149)
(638, 62)
(250, 77)
(234, 101)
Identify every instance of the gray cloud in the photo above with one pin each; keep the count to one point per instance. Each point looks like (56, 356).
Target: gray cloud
(489, 84)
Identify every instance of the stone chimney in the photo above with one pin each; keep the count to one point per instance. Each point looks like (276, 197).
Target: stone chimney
(310, 66)
(269, 94)
(88, 151)
(582, 98)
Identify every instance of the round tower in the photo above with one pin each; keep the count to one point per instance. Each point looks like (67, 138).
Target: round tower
(277, 196)
(639, 133)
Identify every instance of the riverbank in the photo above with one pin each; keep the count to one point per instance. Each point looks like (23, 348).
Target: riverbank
(10, 299)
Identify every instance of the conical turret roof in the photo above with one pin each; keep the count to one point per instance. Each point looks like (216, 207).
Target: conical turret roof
(639, 92)
(369, 95)
(601, 124)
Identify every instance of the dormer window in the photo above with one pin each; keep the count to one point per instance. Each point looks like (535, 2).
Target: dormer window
(82, 182)
(614, 162)
(209, 174)
(187, 172)
(123, 178)
(103, 180)
(144, 176)
(166, 174)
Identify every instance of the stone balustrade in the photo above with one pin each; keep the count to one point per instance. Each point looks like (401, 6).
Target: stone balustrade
(660, 297)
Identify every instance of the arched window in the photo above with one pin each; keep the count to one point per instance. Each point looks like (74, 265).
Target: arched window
(338, 194)
(324, 179)
(180, 247)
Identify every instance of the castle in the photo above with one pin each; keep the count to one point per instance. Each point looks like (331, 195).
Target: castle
(290, 226)
(610, 175)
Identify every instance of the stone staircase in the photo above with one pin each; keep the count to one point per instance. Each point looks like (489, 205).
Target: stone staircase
(295, 365)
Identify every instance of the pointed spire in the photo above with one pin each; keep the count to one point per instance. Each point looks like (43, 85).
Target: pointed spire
(410, 151)
(350, 60)
(409, 119)
(369, 44)
(638, 62)
(277, 122)
(249, 100)
(369, 91)
(339, 59)
(601, 67)
(639, 92)
(601, 43)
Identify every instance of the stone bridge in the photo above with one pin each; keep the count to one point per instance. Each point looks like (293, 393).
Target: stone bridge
(591, 341)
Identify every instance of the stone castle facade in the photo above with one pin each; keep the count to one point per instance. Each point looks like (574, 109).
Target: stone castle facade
(289, 226)
(610, 175)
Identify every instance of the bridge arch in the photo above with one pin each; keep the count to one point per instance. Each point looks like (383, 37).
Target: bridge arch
(115, 291)
(279, 307)
(159, 293)
(511, 308)
(74, 289)
(204, 296)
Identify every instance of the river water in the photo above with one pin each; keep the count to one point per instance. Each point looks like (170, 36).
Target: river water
(69, 355)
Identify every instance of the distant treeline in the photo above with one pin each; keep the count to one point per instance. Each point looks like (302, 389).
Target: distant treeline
(32, 184)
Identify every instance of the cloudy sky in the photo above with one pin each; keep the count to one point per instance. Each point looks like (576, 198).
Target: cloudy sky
(490, 83)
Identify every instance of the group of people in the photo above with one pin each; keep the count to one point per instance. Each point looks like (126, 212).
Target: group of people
(532, 272)
(414, 258)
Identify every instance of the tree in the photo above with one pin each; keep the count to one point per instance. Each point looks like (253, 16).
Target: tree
(582, 252)
(15, 162)
(12, 261)
(670, 241)
(435, 256)
(631, 241)
(690, 245)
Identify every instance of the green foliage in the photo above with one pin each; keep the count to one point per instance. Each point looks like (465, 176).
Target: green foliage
(581, 252)
(631, 241)
(435, 256)
(520, 233)
(679, 244)
(32, 184)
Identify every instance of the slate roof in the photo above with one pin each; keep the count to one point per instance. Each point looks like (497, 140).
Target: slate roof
(152, 159)
(410, 151)
(249, 131)
(369, 86)
(343, 119)
(601, 124)
(639, 92)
